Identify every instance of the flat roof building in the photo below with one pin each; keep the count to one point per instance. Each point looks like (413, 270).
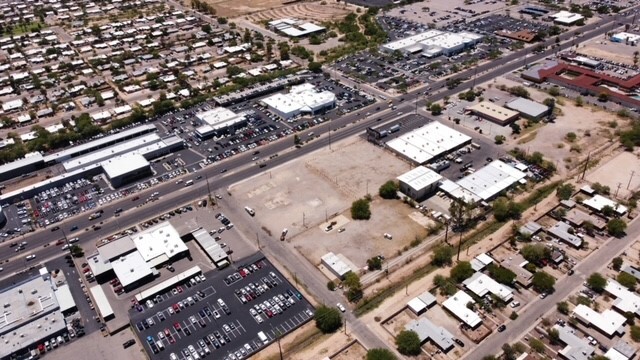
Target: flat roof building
(434, 43)
(419, 182)
(516, 264)
(481, 261)
(482, 285)
(428, 143)
(421, 302)
(219, 121)
(457, 305)
(125, 169)
(160, 243)
(608, 322)
(626, 301)
(566, 18)
(494, 112)
(301, 99)
(211, 247)
(528, 109)
(295, 28)
(621, 350)
(427, 330)
(102, 303)
(625, 37)
(562, 231)
(484, 184)
(31, 162)
(598, 202)
(575, 348)
(170, 282)
(338, 267)
(131, 269)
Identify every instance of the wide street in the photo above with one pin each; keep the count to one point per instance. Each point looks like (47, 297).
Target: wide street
(241, 167)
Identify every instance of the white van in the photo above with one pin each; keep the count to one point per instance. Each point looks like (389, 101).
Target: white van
(188, 183)
(263, 337)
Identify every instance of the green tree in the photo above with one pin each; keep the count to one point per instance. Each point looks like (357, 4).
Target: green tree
(616, 227)
(408, 343)
(554, 336)
(616, 263)
(501, 274)
(328, 319)
(436, 109)
(571, 136)
(76, 251)
(508, 352)
(564, 191)
(351, 280)
(442, 255)
(563, 307)
(627, 280)
(603, 97)
(461, 271)
(607, 211)
(331, 285)
(389, 190)
(596, 282)
(579, 101)
(543, 282)
(375, 263)
(554, 91)
(635, 333)
(535, 253)
(537, 346)
(499, 139)
(315, 67)
(515, 128)
(360, 210)
(505, 209)
(380, 354)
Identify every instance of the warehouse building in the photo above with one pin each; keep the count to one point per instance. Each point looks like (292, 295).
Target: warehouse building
(528, 109)
(219, 121)
(335, 264)
(494, 112)
(625, 37)
(428, 331)
(302, 99)
(432, 43)
(295, 28)
(125, 169)
(566, 18)
(419, 183)
(212, 248)
(428, 143)
(31, 315)
(484, 184)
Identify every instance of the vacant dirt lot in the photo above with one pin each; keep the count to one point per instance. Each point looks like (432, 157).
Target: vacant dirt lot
(304, 11)
(623, 170)
(303, 195)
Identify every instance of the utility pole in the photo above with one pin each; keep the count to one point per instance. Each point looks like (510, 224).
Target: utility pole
(258, 239)
(586, 164)
(630, 178)
(329, 134)
(446, 232)
(303, 225)
(209, 189)
(618, 189)
(459, 246)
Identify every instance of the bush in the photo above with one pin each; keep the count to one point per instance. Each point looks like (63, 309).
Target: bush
(504, 209)
(501, 275)
(360, 210)
(389, 190)
(331, 285)
(635, 333)
(328, 319)
(563, 307)
(627, 280)
(564, 192)
(616, 263)
(537, 346)
(375, 263)
(380, 354)
(597, 282)
(442, 255)
(499, 139)
(513, 316)
(408, 343)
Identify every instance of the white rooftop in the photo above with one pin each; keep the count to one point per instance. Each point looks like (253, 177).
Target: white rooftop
(26, 301)
(337, 265)
(481, 285)
(302, 98)
(159, 243)
(122, 165)
(421, 302)
(598, 202)
(457, 305)
(427, 330)
(420, 177)
(485, 183)
(220, 117)
(609, 321)
(425, 143)
(626, 301)
(130, 268)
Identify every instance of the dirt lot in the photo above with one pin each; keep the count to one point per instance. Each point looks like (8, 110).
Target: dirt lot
(609, 50)
(355, 351)
(619, 170)
(320, 188)
(275, 9)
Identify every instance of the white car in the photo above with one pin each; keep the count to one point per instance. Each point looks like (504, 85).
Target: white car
(514, 304)
(341, 307)
(31, 257)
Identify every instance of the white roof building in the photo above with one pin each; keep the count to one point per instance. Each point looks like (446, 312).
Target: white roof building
(220, 118)
(625, 37)
(457, 305)
(301, 99)
(598, 202)
(626, 301)
(566, 18)
(102, 303)
(428, 142)
(481, 285)
(335, 264)
(422, 302)
(123, 165)
(609, 322)
(575, 348)
(12, 105)
(433, 42)
(481, 261)
(159, 243)
(295, 28)
(419, 178)
(131, 268)
(485, 183)
(427, 330)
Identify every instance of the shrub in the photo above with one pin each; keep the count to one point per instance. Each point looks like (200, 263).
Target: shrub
(360, 210)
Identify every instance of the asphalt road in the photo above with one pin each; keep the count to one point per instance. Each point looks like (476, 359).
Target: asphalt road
(240, 167)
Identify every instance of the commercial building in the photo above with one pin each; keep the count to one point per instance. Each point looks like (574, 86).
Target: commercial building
(457, 305)
(31, 315)
(301, 99)
(576, 348)
(219, 121)
(169, 283)
(419, 183)
(566, 18)
(563, 232)
(421, 303)
(212, 248)
(598, 202)
(125, 169)
(494, 112)
(31, 162)
(626, 301)
(434, 43)
(608, 322)
(295, 28)
(482, 285)
(102, 303)
(528, 109)
(428, 143)
(484, 184)
(625, 37)
(335, 264)
(134, 259)
(427, 330)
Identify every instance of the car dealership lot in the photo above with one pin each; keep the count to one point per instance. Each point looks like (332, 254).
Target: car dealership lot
(222, 315)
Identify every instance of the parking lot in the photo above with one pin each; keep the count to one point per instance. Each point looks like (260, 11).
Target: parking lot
(225, 313)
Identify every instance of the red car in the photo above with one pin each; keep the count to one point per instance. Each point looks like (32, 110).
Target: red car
(176, 308)
(86, 270)
(168, 335)
(135, 198)
(176, 326)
